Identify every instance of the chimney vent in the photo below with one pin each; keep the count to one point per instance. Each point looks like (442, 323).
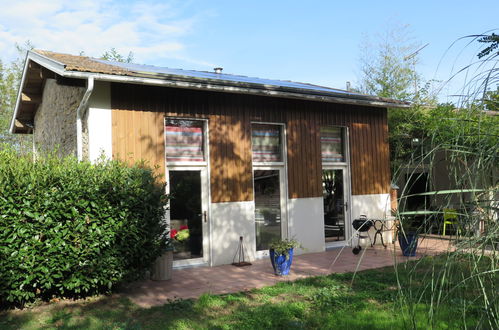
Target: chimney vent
(218, 70)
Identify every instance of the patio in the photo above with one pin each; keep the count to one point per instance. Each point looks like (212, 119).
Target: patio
(193, 282)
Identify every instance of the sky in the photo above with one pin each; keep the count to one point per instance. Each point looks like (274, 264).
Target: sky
(309, 41)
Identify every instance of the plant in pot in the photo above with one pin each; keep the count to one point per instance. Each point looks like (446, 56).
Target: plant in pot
(180, 240)
(281, 255)
(407, 232)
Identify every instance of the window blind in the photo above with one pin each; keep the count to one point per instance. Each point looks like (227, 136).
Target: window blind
(184, 140)
(332, 145)
(266, 143)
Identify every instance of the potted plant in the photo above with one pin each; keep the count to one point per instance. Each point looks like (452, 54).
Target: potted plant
(180, 240)
(407, 232)
(163, 266)
(281, 255)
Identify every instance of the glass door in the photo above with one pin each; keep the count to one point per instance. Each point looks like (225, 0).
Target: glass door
(268, 146)
(335, 206)
(188, 215)
(268, 215)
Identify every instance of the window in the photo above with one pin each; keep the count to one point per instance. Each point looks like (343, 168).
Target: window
(266, 143)
(332, 146)
(267, 207)
(184, 140)
(268, 183)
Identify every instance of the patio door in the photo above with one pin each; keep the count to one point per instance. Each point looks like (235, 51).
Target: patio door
(188, 209)
(270, 219)
(186, 145)
(268, 145)
(336, 206)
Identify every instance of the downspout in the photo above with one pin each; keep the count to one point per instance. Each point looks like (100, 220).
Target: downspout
(80, 113)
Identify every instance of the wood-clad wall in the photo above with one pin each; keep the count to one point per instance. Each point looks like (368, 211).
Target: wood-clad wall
(138, 119)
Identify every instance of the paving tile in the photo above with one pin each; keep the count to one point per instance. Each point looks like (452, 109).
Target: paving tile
(193, 282)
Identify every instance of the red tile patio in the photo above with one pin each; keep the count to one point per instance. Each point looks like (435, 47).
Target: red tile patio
(193, 282)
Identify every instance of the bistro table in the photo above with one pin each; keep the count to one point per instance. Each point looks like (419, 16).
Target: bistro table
(380, 226)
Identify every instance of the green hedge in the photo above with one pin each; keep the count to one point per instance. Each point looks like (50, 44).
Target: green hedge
(73, 229)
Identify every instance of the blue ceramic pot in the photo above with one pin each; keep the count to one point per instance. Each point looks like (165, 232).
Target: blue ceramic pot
(408, 244)
(280, 263)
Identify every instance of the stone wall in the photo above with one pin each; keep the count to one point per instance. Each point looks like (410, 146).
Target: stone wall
(55, 119)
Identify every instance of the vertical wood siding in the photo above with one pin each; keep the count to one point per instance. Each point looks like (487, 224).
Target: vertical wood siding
(138, 113)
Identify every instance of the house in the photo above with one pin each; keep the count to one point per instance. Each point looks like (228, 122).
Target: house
(242, 157)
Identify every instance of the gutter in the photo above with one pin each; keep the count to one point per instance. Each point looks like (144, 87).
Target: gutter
(218, 86)
(80, 114)
(206, 86)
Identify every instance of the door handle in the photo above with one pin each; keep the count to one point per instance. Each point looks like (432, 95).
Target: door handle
(346, 206)
(204, 215)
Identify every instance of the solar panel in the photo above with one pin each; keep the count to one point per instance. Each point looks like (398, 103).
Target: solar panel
(151, 69)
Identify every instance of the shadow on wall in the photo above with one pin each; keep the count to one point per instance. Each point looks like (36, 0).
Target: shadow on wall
(230, 137)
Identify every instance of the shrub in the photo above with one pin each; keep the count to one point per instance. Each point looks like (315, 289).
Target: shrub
(74, 229)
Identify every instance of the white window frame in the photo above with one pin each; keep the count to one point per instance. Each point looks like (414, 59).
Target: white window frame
(344, 140)
(205, 143)
(204, 167)
(283, 183)
(347, 186)
(283, 145)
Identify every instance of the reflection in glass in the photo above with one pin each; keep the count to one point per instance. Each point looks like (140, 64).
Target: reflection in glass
(267, 207)
(334, 211)
(186, 227)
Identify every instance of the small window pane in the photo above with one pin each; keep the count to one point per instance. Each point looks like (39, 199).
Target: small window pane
(266, 143)
(332, 145)
(184, 140)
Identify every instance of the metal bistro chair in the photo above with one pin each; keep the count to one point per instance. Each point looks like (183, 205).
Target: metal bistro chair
(450, 218)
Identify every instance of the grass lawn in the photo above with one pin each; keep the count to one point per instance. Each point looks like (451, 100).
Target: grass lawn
(373, 301)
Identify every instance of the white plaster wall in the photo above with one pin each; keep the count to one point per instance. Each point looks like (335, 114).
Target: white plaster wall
(306, 223)
(228, 221)
(99, 122)
(375, 206)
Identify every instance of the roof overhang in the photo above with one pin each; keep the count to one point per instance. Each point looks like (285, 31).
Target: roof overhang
(38, 67)
(29, 95)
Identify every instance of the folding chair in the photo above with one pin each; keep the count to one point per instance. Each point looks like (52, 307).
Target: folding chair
(450, 218)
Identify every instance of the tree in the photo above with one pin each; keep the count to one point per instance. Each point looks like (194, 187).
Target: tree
(388, 69)
(491, 100)
(113, 55)
(10, 79)
(385, 69)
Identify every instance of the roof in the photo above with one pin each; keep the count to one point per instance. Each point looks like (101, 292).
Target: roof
(83, 67)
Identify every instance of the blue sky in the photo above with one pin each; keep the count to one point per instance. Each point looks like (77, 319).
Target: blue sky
(307, 41)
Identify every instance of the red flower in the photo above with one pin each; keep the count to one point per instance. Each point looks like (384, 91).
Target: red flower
(173, 233)
(183, 227)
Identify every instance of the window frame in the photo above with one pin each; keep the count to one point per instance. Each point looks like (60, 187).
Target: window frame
(205, 143)
(344, 142)
(283, 144)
